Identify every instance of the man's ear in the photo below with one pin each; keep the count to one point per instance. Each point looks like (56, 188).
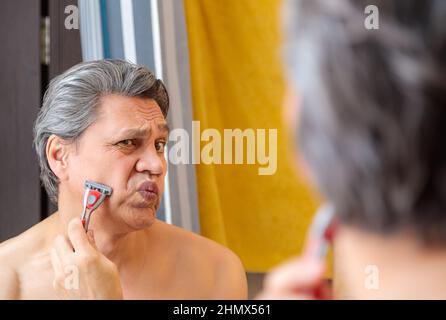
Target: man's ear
(57, 151)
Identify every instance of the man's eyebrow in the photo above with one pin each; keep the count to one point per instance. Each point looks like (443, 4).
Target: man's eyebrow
(135, 132)
(142, 132)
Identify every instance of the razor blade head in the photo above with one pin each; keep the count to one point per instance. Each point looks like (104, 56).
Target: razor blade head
(103, 189)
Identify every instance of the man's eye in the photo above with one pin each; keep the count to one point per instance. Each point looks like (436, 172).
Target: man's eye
(127, 143)
(159, 145)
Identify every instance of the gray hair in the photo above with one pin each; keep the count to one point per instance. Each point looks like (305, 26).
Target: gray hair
(70, 104)
(372, 110)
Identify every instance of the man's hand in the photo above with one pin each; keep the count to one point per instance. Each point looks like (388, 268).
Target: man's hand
(81, 271)
(301, 279)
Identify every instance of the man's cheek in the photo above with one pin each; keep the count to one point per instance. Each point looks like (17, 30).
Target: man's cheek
(120, 188)
(76, 179)
(103, 173)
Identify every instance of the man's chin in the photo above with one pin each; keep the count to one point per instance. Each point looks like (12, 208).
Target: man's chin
(140, 217)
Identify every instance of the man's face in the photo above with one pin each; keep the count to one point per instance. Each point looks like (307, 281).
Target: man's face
(123, 149)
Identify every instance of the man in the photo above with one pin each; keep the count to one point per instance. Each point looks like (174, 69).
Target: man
(105, 121)
(372, 123)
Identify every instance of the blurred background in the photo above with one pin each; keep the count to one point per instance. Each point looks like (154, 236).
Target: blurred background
(221, 63)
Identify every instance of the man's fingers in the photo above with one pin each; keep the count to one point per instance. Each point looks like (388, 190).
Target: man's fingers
(63, 249)
(78, 236)
(90, 236)
(297, 275)
(62, 244)
(58, 270)
(56, 263)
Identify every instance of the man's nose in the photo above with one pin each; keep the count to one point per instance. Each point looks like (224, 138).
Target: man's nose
(150, 161)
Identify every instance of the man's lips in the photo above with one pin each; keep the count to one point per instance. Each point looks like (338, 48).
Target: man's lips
(148, 190)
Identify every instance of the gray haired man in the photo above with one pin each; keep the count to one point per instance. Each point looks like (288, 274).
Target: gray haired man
(106, 121)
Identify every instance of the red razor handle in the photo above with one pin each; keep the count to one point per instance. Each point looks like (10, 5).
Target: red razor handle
(92, 199)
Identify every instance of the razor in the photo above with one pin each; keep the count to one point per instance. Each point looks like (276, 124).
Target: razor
(95, 194)
(319, 238)
(323, 229)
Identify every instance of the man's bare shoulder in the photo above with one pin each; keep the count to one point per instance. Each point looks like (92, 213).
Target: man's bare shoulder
(9, 261)
(225, 265)
(15, 250)
(14, 253)
(191, 241)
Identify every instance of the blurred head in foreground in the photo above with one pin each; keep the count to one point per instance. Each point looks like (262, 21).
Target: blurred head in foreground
(371, 126)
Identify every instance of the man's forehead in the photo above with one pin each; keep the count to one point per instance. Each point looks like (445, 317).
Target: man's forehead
(117, 105)
(121, 113)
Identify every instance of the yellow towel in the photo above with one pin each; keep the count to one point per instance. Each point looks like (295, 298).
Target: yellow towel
(237, 82)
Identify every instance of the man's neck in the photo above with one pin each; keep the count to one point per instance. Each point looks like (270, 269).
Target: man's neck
(370, 266)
